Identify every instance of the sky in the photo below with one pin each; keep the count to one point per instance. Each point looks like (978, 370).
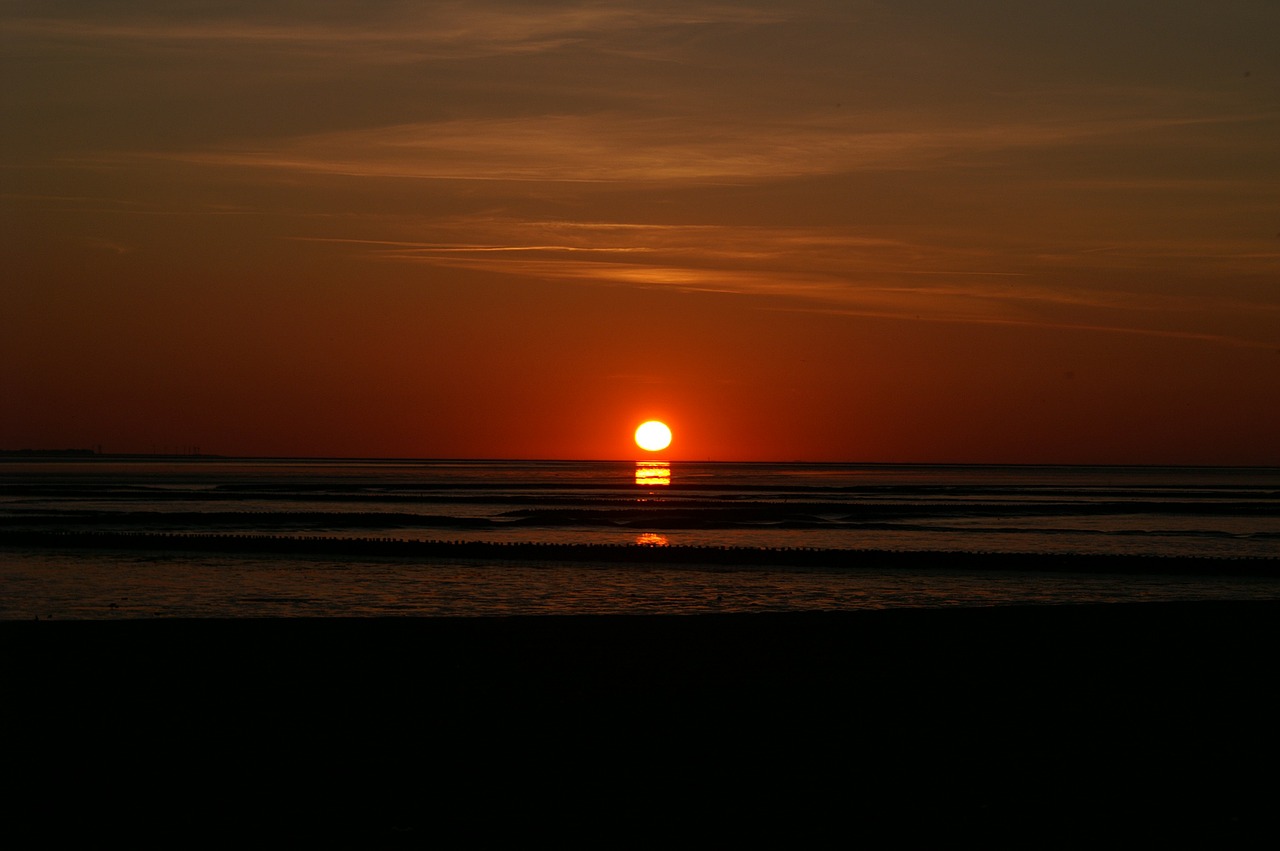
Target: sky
(916, 231)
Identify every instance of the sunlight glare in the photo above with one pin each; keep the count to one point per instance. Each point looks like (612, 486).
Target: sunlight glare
(653, 436)
(651, 473)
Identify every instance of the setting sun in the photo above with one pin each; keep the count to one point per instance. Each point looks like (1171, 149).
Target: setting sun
(653, 436)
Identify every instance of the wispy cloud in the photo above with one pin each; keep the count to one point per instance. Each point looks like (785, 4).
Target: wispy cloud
(611, 147)
(822, 268)
(378, 32)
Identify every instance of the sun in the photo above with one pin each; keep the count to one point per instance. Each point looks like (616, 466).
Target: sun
(653, 436)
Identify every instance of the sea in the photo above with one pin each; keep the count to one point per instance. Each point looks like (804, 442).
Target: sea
(116, 537)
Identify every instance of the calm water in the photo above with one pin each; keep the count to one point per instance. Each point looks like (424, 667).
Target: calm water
(1202, 512)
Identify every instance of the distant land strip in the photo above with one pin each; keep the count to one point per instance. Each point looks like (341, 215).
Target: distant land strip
(641, 553)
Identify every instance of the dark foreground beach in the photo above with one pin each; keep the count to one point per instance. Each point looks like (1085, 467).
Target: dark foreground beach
(1041, 726)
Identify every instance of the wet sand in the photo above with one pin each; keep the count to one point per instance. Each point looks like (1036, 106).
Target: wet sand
(1047, 726)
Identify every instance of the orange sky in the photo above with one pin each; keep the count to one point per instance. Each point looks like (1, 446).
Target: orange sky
(843, 231)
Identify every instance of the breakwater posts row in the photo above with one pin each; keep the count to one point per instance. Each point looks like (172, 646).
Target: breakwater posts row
(498, 551)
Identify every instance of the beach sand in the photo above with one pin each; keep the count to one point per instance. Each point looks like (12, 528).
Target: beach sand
(1039, 726)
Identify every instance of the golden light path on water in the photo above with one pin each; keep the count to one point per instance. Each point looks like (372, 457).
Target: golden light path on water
(653, 473)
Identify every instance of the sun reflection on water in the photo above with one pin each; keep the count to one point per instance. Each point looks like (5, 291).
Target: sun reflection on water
(651, 473)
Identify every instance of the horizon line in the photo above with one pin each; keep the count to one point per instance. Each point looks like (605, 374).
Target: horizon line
(85, 454)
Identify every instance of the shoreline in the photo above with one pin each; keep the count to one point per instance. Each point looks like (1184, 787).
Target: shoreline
(740, 556)
(1039, 722)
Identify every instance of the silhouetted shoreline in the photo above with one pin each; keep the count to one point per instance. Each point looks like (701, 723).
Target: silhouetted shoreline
(1041, 723)
(246, 543)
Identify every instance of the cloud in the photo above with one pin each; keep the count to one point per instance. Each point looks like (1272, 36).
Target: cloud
(370, 31)
(833, 271)
(613, 147)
